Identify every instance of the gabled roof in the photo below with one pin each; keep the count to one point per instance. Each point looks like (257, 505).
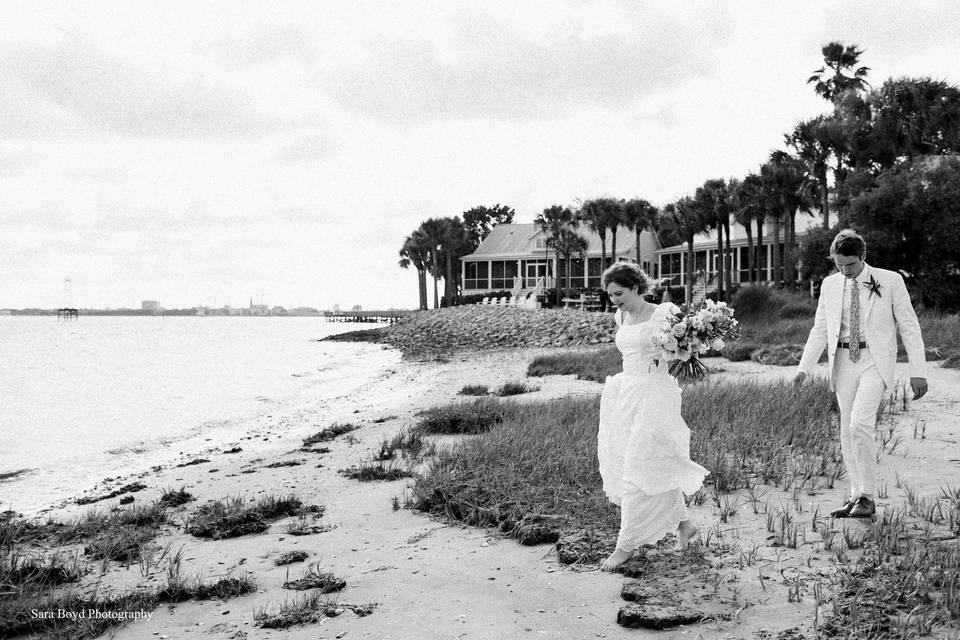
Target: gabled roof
(516, 240)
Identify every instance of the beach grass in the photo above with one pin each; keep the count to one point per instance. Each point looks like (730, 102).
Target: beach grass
(515, 388)
(377, 471)
(329, 433)
(474, 390)
(409, 443)
(234, 516)
(541, 458)
(473, 417)
(593, 364)
(306, 609)
(290, 557)
(175, 497)
(313, 578)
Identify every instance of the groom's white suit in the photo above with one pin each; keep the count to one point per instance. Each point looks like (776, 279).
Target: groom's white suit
(884, 310)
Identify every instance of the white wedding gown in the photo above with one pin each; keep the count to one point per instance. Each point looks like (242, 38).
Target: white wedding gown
(643, 444)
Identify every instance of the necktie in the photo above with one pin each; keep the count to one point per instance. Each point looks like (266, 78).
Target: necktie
(854, 321)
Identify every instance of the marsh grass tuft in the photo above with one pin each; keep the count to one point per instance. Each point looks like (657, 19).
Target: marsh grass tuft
(515, 388)
(593, 365)
(377, 471)
(175, 498)
(290, 557)
(473, 417)
(313, 578)
(329, 433)
(232, 517)
(307, 609)
(474, 390)
(408, 444)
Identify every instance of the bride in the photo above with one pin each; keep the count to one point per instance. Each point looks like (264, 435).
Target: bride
(643, 444)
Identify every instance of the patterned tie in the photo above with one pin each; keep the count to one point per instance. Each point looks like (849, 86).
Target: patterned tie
(854, 321)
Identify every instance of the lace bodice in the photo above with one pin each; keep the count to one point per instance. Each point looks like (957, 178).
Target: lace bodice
(633, 340)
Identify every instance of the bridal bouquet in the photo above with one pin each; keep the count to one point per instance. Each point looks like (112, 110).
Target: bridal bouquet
(685, 336)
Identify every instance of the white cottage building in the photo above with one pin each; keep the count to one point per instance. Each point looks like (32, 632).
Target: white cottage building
(517, 257)
(672, 261)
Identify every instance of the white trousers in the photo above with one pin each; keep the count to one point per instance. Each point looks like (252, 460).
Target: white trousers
(859, 390)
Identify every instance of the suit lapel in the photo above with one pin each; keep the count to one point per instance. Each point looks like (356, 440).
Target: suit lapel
(871, 298)
(836, 302)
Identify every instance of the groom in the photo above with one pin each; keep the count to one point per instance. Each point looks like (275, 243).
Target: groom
(861, 309)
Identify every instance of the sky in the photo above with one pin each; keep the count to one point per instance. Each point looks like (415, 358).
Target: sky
(210, 153)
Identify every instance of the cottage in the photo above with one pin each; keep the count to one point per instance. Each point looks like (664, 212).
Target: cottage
(518, 257)
(672, 261)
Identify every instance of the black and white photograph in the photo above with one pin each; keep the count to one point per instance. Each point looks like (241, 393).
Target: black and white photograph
(434, 319)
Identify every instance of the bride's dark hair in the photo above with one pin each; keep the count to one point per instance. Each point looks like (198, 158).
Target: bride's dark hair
(627, 275)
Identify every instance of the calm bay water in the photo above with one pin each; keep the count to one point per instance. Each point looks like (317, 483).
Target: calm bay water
(102, 396)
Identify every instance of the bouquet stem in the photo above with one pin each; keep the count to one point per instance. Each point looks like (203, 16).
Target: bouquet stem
(691, 369)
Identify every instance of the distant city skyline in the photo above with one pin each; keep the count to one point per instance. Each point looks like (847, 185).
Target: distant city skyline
(185, 151)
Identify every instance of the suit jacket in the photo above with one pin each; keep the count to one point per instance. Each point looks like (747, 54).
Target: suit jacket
(886, 314)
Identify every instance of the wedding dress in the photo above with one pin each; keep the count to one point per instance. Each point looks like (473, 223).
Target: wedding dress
(643, 444)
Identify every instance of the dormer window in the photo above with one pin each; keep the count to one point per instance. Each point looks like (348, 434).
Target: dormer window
(541, 243)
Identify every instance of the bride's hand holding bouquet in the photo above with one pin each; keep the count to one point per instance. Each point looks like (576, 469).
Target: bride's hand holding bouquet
(685, 336)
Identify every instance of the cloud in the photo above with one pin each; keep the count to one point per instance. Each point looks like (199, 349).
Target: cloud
(72, 88)
(494, 73)
(305, 149)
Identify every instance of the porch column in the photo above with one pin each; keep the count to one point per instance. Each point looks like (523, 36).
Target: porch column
(463, 274)
(489, 274)
(683, 268)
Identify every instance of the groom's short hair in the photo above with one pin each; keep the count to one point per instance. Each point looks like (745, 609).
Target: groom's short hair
(848, 243)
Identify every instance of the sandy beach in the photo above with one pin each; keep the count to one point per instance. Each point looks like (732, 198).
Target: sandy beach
(433, 579)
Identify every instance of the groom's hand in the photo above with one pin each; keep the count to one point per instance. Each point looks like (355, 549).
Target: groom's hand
(802, 375)
(919, 386)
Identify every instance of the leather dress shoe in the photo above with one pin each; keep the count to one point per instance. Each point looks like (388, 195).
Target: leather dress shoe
(864, 508)
(843, 511)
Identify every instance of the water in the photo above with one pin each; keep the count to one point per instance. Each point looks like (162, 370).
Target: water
(104, 396)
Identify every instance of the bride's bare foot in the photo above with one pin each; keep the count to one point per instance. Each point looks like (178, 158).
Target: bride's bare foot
(617, 558)
(685, 533)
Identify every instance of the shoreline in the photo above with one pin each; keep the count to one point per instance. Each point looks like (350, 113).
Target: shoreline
(425, 573)
(256, 431)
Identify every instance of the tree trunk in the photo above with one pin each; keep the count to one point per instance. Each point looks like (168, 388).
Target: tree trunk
(727, 256)
(422, 282)
(759, 248)
(777, 275)
(825, 200)
(436, 295)
(613, 245)
(750, 256)
(639, 264)
(450, 285)
(789, 266)
(719, 270)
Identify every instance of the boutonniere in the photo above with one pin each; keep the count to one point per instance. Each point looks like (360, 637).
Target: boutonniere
(874, 286)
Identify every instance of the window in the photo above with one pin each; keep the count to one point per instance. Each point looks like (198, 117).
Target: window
(593, 279)
(476, 275)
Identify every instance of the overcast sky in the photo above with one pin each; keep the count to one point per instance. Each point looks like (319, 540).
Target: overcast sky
(202, 153)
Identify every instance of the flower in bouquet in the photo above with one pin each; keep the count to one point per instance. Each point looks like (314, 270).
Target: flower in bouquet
(685, 336)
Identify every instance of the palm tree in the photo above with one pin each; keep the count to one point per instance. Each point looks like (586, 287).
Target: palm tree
(569, 243)
(831, 82)
(686, 219)
(597, 216)
(416, 251)
(552, 221)
(639, 215)
(713, 197)
(785, 176)
(811, 139)
(747, 206)
(434, 232)
(454, 245)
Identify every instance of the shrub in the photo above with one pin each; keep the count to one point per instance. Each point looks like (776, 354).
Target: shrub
(474, 390)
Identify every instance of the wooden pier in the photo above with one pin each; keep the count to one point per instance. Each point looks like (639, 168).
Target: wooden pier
(388, 317)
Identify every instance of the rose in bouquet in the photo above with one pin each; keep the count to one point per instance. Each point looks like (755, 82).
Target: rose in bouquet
(686, 335)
